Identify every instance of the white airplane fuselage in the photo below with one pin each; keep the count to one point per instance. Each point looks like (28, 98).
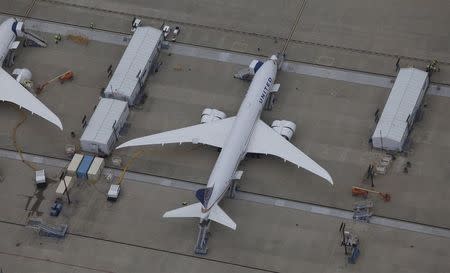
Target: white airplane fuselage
(7, 36)
(235, 147)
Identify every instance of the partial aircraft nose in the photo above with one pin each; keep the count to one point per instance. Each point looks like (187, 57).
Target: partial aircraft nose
(274, 58)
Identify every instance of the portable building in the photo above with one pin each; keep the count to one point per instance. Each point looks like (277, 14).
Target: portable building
(84, 166)
(74, 163)
(104, 126)
(96, 169)
(400, 111)
(66, 182)
(140, 58)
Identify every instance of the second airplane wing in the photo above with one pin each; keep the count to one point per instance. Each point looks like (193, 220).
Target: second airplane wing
(266, 141)
(12, 91)
(212, 133)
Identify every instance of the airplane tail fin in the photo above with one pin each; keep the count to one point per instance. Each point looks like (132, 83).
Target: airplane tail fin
(195, 210)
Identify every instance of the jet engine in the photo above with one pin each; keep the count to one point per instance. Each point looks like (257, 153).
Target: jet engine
(285, 128)
(211, 115)
(23, 76)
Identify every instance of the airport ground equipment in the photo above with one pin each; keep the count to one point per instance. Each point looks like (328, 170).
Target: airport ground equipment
(64, 185)
(363, 210)
(432, 67)
(56, 208)
(138, 61)
(166, 31)
(350, 242)
(113, 192)
(175, 32)
(96, 169)
(400, 110)
(41, 182)
(84, 166)
(47, 230)
(135, 24)
(357, 191)
(103, 128)
(201, 247)
(74, 163)
(33, 40)
(66, 76)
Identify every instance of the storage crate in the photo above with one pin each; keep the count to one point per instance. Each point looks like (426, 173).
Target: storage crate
(84, 166)
(74, 164)
(96, 169)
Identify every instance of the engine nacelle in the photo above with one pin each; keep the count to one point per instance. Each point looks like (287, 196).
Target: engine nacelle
(23, 76)
(285, 128)
(211, 115)
(254, 66)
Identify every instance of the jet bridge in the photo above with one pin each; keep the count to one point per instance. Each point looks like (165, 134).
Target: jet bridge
(33, 40)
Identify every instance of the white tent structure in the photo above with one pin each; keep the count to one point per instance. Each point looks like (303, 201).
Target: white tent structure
(400, 110)
(102, 130)
(137, 61)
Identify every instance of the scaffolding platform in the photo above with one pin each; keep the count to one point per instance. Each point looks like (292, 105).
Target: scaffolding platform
(201, 247)
(363, 210)
(47, 230)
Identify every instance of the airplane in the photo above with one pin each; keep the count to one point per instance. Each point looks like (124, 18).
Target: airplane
(236, 136)
(11, 89)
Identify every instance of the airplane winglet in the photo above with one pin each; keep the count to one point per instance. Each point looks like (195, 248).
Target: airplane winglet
(12, 91)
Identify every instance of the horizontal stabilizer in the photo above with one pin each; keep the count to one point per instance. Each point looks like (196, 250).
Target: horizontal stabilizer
(212, 133)
(191, 211)
(216, 214)
(219, 216)
(266, 141)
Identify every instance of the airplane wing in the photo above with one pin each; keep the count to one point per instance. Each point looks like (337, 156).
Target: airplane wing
(212, 133)
(266, 141)
(13, 91)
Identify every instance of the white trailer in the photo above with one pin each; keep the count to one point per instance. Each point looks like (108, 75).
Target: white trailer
(137, 61)
(74, 163)
(67, 181)
(400, 110)
(96, 169)
(104, 126)
(113, 192)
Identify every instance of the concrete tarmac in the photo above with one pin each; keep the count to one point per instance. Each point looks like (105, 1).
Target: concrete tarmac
(334, 121)
(130, 235)
(352, 34)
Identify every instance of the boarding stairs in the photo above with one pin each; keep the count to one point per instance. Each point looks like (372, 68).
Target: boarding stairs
(47, 230)
(201, 247)
(363, 210)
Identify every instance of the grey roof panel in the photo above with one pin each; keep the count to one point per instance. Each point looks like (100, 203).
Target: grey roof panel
(404, 96)
(99, 128)
(136, 56)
